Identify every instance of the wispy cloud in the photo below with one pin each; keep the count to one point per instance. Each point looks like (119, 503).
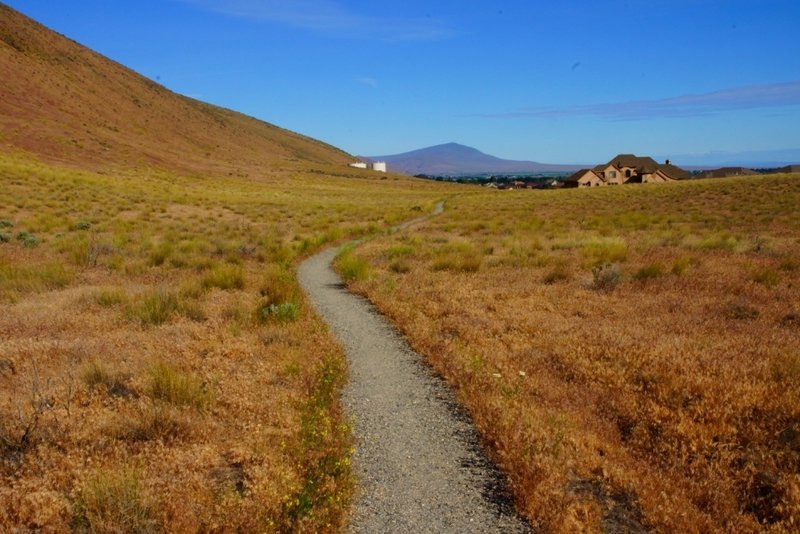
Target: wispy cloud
(366, 80)
(692, 105)
(330, 16)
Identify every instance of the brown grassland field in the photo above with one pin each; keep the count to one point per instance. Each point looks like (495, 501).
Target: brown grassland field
(159, 367)
(631, 355)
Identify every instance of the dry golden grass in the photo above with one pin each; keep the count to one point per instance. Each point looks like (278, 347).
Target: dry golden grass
(159, 366)
(631, 355)
(68, 104)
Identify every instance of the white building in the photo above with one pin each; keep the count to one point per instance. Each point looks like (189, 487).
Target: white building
(379, 166)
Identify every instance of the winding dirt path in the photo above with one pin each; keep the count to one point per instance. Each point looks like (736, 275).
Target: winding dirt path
(418, 458)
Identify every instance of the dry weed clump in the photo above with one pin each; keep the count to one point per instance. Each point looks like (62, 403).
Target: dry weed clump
(115, 502)
(138, 390)
(670, 404)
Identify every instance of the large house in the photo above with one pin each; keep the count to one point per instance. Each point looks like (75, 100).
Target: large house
(627, 169)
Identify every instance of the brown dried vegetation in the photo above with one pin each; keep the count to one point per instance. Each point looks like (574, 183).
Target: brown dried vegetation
(142, 234)
(631, 355)
(143, 386)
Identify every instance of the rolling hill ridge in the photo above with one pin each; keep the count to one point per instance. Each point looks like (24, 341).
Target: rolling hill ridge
(67, 104)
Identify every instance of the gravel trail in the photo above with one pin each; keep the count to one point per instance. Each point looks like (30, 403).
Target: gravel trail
(418, 459)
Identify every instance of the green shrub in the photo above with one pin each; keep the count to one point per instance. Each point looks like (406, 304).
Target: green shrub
(171, 385)
(606, 277)
(5, 238)
(225, 277)
(27, 239)
(82, 225)
(5, 223)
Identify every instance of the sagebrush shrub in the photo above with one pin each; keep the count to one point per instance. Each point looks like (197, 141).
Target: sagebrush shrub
(27, 239)
(606, 277)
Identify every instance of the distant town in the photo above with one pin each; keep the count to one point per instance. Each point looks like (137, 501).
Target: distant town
(616, 172)
(453, 162)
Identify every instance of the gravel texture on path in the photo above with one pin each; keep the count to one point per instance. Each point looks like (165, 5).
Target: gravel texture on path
(418, 459)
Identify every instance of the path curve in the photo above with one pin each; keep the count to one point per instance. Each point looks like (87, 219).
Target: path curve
(418, 458)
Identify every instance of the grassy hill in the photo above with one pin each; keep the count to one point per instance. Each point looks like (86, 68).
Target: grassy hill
(66, 103)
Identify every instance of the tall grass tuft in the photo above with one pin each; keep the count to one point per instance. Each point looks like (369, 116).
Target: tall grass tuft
(601, 251)
(559, 273)
(284, 312)
(352, 268)
(767, 277)
(96, 374)
(109, 297)
(154, 308)
(114, 501)
(33, 278)
(171, 385)
(225, 277)
(649, 272)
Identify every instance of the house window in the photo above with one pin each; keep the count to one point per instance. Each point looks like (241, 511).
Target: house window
(612, 174)
(628, 173)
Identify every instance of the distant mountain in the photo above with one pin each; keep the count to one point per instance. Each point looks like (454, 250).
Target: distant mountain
(452, 159)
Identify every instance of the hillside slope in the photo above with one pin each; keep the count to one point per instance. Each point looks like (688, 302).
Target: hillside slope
(66, 103)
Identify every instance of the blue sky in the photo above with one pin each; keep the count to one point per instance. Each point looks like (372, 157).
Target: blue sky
(569, 81)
